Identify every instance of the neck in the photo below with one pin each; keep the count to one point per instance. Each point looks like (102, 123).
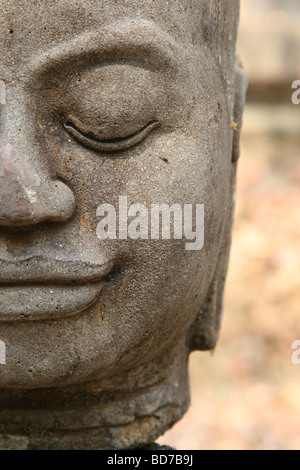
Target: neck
(126, 411)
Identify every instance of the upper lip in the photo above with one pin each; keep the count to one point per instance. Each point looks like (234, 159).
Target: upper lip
(42, 269)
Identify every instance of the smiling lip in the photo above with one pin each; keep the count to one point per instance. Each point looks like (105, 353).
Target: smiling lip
(40, 288)
(41, 269)
(46, 302)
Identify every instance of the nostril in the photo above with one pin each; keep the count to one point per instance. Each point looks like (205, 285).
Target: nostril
(56, 202)
(28, 195)
(29, 205)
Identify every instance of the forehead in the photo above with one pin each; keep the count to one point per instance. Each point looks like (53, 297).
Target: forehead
(35, 28)
(41, 24)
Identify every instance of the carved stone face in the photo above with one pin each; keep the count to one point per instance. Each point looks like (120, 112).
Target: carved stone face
(102, 99)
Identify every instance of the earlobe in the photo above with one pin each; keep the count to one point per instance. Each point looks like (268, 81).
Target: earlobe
(241, 85)
(204, 332)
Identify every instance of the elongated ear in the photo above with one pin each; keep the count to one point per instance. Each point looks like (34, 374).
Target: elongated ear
(241, 85)
(204, 332)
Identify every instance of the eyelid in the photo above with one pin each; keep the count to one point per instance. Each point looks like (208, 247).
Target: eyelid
(111, 145)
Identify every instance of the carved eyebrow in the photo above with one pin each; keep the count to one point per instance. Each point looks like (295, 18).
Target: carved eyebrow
(122, 40)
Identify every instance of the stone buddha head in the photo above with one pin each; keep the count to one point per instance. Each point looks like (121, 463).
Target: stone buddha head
(106, 105)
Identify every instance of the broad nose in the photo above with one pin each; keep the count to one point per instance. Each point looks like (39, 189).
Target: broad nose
(30, 192)
(28, 195)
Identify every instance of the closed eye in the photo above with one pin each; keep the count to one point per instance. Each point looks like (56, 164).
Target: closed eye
(112, 145)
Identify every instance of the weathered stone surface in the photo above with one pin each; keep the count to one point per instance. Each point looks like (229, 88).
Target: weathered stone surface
(99, 100)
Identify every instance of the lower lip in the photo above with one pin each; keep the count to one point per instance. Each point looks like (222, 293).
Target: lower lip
(36, 303)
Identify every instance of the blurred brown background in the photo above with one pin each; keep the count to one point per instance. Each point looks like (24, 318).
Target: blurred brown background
(247, 395)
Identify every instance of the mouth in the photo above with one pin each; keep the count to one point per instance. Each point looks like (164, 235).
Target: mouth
(38, 289)
(40, 302)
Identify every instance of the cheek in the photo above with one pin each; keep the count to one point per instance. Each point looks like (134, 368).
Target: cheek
(198, 171)
(173, 168)
(167, 282)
